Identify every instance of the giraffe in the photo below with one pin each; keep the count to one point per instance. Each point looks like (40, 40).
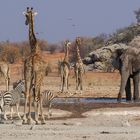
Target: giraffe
(65, 68)
(33, 72)
(78, 67)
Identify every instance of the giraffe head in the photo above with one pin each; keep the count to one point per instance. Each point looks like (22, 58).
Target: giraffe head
(78, 41)
(29, 14)
(67, 43)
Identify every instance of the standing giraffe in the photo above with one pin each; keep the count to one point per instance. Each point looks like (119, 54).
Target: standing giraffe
(65, 67)
(33, 72)
(78, 67)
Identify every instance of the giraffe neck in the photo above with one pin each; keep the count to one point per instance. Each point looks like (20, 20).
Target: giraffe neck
(79, 60)
(66, 58)
(32, 38)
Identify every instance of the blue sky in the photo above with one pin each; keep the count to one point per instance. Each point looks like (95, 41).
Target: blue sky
(58, 20)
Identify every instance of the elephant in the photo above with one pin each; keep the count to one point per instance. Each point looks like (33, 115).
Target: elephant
(128, 63)
(126, 59)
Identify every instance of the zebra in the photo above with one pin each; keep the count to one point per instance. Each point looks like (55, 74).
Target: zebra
(48, 96)
(11, 98)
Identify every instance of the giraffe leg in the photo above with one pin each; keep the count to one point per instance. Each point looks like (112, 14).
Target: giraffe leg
(27, 91)
(29, 120)
(62, 80)
(77, 82)
(36, 106)
(41, 112)
(38, 80)
(62, 85)
(66, 84)
(25, 107)
(81, 84)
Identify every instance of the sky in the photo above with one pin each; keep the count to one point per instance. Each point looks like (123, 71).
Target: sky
(58, 20)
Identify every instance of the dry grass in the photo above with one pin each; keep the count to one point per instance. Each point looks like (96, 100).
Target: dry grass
(96, 84)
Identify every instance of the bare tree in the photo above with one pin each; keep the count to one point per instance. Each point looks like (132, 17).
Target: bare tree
(137, 13)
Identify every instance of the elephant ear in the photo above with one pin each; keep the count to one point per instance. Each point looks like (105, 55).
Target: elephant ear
(116, 58)
(119, 52)
(126, 63)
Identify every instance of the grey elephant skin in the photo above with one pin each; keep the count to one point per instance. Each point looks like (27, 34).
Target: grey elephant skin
(128, 63)
(115, 55)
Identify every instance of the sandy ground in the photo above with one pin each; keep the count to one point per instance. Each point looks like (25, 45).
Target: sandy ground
(91, 121)
(100, 122)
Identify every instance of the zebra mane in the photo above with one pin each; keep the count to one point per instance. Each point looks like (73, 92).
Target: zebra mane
(15, 84)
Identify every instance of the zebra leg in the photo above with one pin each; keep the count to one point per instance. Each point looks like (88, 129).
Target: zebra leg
(38, 111)
(11, 112)
(17, 108)
(49, 113)
(5, 113)
(0, 115)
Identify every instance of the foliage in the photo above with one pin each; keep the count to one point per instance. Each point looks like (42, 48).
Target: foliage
(124, 35)
(88, 45)
(10, 52)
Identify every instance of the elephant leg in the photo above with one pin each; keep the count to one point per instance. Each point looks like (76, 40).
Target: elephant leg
(136, 87)
(124, 79)
(128, 90)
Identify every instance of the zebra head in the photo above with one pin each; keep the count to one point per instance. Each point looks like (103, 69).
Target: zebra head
(19, 85)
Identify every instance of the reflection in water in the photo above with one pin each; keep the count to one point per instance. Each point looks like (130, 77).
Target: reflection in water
(85, 100)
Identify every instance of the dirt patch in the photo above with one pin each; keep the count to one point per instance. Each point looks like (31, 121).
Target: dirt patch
(79, 108)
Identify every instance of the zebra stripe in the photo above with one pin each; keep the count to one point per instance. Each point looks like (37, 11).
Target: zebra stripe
(7, 98)
(19, 86)
(11, 98)
(48, 96)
